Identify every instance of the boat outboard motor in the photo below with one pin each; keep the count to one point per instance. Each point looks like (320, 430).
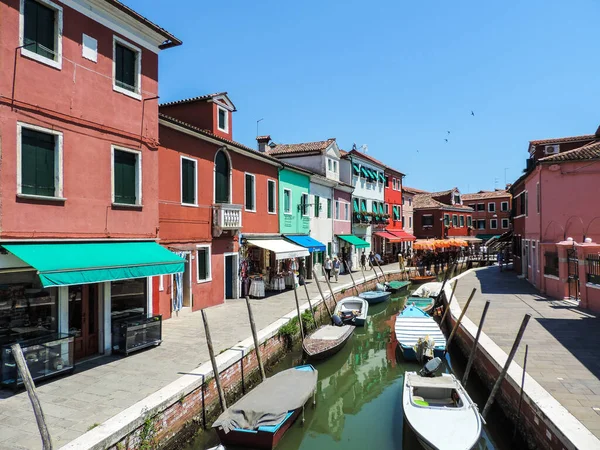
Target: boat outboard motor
(347, 316)
(337, 321)
(431, 367)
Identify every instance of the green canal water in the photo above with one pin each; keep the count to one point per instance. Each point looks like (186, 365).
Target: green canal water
(359, 396)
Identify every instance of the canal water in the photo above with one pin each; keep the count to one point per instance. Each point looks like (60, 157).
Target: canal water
(359, 396)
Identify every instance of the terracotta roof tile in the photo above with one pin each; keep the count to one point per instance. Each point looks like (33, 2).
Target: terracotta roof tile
(193, 99)
(414, 190)
(485, 195)
(427, 201)
(305, 147)
(586, 137)
(587, 152)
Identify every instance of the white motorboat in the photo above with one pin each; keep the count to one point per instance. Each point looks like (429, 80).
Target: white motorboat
(352, 310)
(440, 412)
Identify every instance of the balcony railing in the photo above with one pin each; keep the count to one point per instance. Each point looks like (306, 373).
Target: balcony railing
(226, 217)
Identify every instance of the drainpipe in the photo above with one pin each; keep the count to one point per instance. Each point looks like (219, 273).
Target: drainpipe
(541, 277)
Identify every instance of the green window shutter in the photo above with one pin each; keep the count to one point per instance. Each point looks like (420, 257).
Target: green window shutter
(329, 208)
(125, 60)
(222, 118)
(188, 181)
(396, 215)
(469, 221)
(124, 174)
(39, 29)
(317, 204)
(286, 201)
(356, 169)
(271, 196)
(249, 192)
(221, 178)
(454, 220)
(446, 220)
(37, 163)
(202, 266)
(462, 221)
(329, 249)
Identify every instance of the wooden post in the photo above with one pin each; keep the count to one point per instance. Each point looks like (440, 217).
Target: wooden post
(332, 295)
(462, 314)
(298, 311)
(443, 286)
(255, 337)
(511, 355)
(351, 277)
(213, 361)
(521, 395)
(382, 272)
(321, 292)
(33, 398)
(310, 305)
(475, 342)
(449, 301)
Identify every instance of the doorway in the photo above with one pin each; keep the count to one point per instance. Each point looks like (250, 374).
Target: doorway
(573, 273)
(83, 319)
(231, 278)
(534, 263)
(187, 281)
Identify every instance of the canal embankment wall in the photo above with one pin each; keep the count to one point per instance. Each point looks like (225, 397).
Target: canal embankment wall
(173, 414)
(543, 422)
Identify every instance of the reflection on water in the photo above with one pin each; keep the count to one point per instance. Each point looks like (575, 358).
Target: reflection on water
(359, 394)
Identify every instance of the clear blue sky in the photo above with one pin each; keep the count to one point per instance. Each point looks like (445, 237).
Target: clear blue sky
(395, 75)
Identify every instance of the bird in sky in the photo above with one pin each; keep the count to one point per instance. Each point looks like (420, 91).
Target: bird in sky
(472, 113)
(446, 140)
(448, 132)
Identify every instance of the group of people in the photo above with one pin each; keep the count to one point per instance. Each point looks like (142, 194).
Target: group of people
(332, 266)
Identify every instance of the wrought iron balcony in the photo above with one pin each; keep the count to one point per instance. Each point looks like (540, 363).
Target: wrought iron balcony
(226, 217)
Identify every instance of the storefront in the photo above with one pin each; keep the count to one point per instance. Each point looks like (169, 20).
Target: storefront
(351, 250)
(395, 242)
(316, 251)
(62, 301)
(272, 264)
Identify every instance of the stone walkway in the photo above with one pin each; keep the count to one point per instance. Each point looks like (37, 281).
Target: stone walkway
(101, 388)
(564, 350)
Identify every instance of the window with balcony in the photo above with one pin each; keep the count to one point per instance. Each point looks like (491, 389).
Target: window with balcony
(127, 68)
(41, 36)
(222, 180)
(271, 195)
(287, 201)
(250, 192)
(127, 170)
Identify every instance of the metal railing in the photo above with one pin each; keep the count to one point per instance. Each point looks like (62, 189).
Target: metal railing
(593, 269)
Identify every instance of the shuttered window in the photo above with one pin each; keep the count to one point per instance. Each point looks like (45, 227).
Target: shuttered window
(203, 263)
(221, 178)
(250, 193)
(317, 204)
(329, 208)
(304, 204)
(462, 221)
(271, 196)
(447, 220)
(287, 201)
(39, 30)
(38, 161)
(222, 119)
(125, 185)
(188, 181)
(125, 67)
(469, 221)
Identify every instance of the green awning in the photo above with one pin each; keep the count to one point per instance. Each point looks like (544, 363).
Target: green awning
(356, 241)
(381, 208)
(381, 177)
(67, 263)
(356, 168)
(355, 203)
(364, 171)
(372, 174)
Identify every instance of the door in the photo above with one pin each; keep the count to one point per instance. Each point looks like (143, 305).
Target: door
(573, 273)
(83, 319)
(187, 281)
(229, 277)
(534, 263)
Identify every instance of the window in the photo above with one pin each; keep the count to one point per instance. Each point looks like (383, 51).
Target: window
(409, 222)
(462, 221)
(329, 165)
(363, 205)
(250, 190)
(402, 221)
(203, 263)
(127, 64)
(454, 220)
(41, 32)
(287, 201)
(505, 223)
(480, 206)
(394, 183)
(222, 181)
(537, 197)
(427, 220)
(493, 224)
(481, 224)
(551, 265)
(457, 199)
(403, 200)
(329, 208)
(387, 208)
(504, 206)
(409, 201)
(223, 119)
(491, 207)
(317, 206)
(127, 176)
(447, 220)
(89, 48)
(271, 194)
(355, 170)
(304, 204)
(39, 161)
(335, 166)
(396, 212)
(346, 211)
(526, 204)
(189, 181)
(469, 221)
(337, 210)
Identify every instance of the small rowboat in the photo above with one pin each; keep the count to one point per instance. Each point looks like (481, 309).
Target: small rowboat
(440, 412)
(423, 303)
(355, 307)
(395, 286)
(423, 278)
(374, 297)
(326, 341)
(261, 417)
(413, 324)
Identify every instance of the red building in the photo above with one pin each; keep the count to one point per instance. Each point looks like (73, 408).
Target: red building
(210, 190)
(79, 205)
(441, 215)
(491, 212)
(397, 239)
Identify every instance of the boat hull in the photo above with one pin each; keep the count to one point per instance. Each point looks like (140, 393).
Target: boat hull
(423, 303)
(318, 349)
(351, 304)
(376, 299)
(424, 279)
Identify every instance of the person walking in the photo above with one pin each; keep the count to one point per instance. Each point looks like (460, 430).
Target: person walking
(371, 260)
(363, 260)
(336, 268)
(328, 266)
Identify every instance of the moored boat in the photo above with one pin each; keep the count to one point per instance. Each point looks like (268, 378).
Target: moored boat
(440, 412)
(423, 303)
(395, 286)
(261, 417)
(326, 341)
(374, 297)
(413, 324)
(423, 278)
(352, 310)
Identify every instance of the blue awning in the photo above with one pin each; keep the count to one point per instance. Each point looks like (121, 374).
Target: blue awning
(307, 242)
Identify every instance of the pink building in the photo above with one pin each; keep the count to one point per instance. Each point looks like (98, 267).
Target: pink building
(557, 240)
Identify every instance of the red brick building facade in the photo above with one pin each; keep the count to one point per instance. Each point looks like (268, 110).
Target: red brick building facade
(491, 212)
(441, 215)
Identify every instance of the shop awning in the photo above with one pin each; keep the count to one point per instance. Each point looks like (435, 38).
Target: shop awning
(282, 248)
(68, 263)
(403, 235)
(389, 236)
(356, 241)
(307, 242)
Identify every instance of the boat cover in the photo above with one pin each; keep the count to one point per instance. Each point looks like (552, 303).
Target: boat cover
(270, 401)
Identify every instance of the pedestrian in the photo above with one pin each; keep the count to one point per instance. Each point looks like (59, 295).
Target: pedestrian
(336, 268)
(501, 260)
(328, 266)
(371, 260)
(363, 260)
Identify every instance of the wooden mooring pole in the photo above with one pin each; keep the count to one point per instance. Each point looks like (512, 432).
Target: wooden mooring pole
(462, 314)
(312, 311)
(449, 301)
(511, 355)
(298, 311)
(351, 277)
(382, 272)
(255, 337)
(332, 294)
(33, 398)
(213, 361)
(521, 394)
(475, 342)
(321, 292)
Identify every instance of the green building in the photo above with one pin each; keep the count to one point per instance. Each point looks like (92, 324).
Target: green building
(294, 210)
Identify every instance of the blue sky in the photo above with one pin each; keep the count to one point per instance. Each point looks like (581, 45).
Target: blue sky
(395, 75)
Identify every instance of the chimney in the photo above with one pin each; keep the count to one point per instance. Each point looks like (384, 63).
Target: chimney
(263, 143)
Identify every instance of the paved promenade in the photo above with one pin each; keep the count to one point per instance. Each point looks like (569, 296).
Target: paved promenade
(101, 388)
(564, 350)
